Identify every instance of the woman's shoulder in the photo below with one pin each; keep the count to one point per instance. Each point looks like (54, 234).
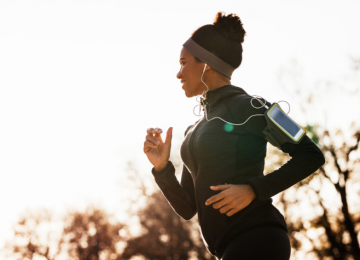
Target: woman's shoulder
(248, 111)
(187, 129)
(244, 105)
(247, 100)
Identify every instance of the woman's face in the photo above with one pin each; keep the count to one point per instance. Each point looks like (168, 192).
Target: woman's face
(190, 74)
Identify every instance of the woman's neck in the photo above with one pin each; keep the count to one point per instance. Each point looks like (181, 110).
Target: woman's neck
(217, 83)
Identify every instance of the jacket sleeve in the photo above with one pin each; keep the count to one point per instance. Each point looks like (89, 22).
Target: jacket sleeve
(181, 196)
(306, 157)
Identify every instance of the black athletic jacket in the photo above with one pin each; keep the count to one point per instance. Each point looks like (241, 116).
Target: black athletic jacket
(214, 152)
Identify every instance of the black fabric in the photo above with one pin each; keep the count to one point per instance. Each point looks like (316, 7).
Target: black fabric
(214, 153)
(266, 243)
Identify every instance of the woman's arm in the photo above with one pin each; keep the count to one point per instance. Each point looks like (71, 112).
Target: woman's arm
(181, 196)
(306, 158)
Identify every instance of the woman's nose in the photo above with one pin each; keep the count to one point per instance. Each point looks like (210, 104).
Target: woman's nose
(178, 75)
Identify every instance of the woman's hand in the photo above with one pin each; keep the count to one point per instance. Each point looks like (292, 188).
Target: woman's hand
(157, 151)
(232, 199)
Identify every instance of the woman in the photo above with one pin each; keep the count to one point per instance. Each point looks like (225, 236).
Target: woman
(222, 178)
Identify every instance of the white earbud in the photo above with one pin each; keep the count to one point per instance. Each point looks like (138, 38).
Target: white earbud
(205, 67)
(202, 78)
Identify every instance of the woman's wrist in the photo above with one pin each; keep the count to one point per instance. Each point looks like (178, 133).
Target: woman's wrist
(160, 167)
(252, 192)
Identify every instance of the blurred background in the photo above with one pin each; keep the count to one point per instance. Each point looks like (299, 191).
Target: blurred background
(81, 81)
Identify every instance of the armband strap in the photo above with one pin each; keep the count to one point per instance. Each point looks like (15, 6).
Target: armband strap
(268, 132)
(281, 128)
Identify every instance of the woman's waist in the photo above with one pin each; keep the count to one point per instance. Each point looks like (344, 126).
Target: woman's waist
(205, 177)
(217, 228)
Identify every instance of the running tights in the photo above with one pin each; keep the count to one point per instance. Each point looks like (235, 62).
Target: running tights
(263, 243)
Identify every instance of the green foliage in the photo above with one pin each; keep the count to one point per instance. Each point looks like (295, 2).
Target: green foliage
(311, 131)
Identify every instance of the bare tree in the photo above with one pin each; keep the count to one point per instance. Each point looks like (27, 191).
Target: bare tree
(34, 237)
(91, 234)
(322, 211)
(94, 234)
(165, 235)
(80, 235)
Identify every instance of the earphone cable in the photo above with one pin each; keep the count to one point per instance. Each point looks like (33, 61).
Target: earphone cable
(203, 103)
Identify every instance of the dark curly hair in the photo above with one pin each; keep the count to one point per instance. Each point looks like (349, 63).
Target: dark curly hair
(223, 38)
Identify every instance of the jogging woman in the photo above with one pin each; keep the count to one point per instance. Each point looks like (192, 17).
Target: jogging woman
(222, 177)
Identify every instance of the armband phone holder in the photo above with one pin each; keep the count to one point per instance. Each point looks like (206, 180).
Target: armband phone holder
(281, 128)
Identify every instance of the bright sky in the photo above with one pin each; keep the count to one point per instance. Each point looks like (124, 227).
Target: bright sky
(81, 81)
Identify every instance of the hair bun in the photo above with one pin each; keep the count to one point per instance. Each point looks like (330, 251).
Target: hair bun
(230, 26)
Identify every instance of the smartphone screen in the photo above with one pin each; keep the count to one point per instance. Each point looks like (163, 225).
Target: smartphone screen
(286, 123)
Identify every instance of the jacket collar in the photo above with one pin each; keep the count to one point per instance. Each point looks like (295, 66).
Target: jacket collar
(213, 97)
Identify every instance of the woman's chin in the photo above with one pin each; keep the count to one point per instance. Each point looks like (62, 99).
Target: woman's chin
(189, 94)
(186, 93)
